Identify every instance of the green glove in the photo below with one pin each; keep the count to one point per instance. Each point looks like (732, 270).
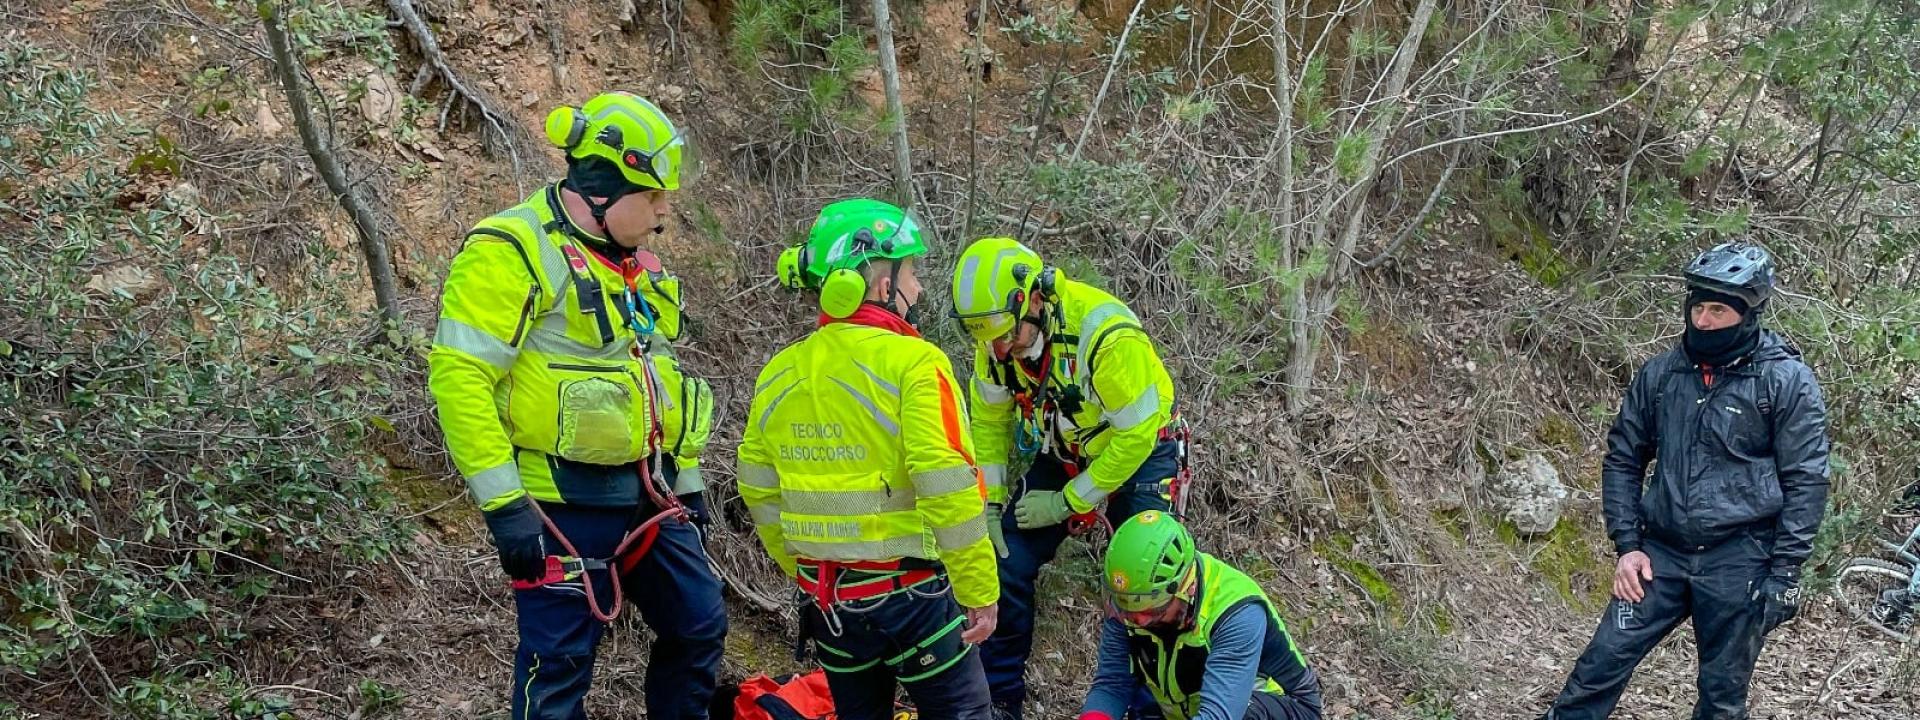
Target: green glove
(1041, 508)
(996, 511)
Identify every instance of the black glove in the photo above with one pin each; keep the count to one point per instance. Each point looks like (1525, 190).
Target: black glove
(696, 505)
(521, 539)
(1779, 601)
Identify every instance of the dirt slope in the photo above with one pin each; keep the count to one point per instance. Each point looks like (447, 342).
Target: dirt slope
(1365, 519)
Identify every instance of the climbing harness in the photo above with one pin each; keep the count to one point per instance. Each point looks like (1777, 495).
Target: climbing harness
(638, 541)
(830, 596)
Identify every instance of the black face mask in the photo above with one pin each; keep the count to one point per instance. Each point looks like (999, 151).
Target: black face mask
(1723, 347)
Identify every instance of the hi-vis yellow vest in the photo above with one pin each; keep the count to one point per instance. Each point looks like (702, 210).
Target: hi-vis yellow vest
(535, 357)
(856, 448)
(1172, 667)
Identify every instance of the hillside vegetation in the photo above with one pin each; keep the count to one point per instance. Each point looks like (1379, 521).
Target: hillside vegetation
(1423, 246)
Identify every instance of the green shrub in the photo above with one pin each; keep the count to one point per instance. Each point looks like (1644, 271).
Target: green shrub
(177, 439)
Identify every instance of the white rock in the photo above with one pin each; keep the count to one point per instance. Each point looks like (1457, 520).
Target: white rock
(1531, 491)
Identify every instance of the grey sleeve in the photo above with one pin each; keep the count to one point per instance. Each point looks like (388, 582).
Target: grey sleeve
(1233, 664)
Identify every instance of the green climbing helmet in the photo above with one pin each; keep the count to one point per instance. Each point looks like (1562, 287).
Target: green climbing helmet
(630, 132)
(992, 286)
(845, 237)
(1150, 561)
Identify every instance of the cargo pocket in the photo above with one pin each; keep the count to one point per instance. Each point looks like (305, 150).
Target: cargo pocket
(599, 415)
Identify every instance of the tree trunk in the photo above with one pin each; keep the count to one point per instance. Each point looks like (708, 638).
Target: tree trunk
(1297, 387)
(379, 266)
(890, 76)
(1300, 369)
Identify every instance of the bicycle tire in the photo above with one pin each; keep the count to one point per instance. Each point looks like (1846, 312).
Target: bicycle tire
(1875, 567)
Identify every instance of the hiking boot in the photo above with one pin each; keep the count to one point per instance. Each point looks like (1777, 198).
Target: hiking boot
(1895, 609)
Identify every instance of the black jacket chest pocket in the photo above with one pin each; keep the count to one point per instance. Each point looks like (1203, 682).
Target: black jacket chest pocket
(1736, 424)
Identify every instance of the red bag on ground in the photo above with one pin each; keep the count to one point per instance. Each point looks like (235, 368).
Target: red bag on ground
(791, 697)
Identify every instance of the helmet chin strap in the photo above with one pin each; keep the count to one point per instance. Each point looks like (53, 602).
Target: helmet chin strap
(895, 300)
(600, 179)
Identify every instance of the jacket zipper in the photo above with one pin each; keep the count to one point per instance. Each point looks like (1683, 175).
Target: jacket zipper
(526, 316)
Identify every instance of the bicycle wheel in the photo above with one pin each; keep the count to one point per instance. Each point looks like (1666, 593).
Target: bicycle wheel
(1858, 588)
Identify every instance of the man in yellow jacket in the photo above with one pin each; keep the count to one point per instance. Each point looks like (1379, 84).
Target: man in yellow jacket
(1064, 374)
(567, 414)
(859, 474)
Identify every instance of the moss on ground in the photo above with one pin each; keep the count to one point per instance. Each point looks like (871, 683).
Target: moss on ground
(1558, 432)
(1338, 550)
(1564, 558)
(430, 496)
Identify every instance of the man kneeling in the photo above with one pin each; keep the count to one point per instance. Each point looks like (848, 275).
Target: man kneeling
(1197, 634)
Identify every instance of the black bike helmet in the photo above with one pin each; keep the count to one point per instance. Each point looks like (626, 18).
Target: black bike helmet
(1739, 268)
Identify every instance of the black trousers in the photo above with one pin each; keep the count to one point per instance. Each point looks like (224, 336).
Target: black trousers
(1271, 706)
(1712, 585)
(911, 638)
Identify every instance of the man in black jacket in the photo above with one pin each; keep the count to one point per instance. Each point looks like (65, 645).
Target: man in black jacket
(1738, 427)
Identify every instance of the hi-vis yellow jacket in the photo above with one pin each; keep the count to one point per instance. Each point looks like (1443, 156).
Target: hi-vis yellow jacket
(856, 449)
(534, 359)
(1104, 399)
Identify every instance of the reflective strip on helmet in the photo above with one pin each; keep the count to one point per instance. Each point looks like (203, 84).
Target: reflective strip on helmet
(886, 423)
(990, 393)
(768, 413)
(1140, 410)
(969, 291)
(457, 335)
(847, 503)
(616, 108)
(962, 535)
(877, 380)
(757, 475)
(945, 480)
(493, 484)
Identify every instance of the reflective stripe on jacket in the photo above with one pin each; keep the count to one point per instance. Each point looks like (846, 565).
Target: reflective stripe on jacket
(1113, 392)
(856, 449)
(534, 351)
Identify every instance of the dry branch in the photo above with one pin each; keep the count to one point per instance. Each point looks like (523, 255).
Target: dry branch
(379, 266)
(1119, 52)
(430, 48)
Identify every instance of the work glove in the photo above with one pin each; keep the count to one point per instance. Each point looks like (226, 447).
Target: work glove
(1041, 508)
(696, 505)
(996, 533)
(1779, 600)
(521, 539)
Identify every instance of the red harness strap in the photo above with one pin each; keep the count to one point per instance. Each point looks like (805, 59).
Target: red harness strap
(827, 591)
